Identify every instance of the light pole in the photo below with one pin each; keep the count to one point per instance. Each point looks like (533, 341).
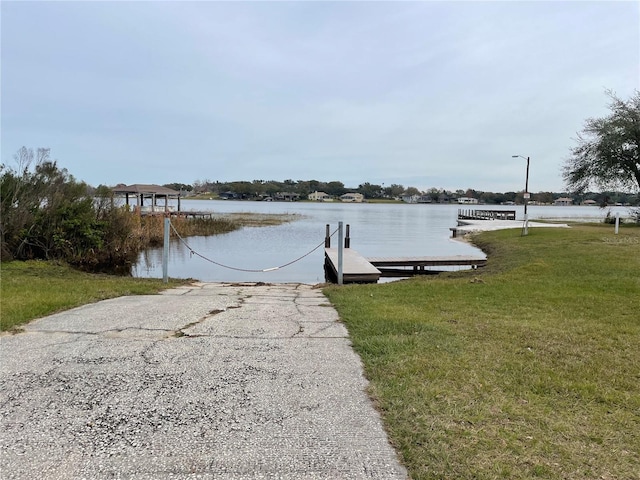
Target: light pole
(526, 194)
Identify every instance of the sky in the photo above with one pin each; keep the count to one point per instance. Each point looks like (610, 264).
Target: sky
(424, 94)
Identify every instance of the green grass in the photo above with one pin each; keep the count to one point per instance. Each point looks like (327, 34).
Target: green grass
(34, 289)
(528, 368)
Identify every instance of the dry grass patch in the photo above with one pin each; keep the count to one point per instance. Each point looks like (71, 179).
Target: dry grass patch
(247, 219)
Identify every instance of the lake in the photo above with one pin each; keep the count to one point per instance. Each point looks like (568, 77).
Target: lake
(377, 229)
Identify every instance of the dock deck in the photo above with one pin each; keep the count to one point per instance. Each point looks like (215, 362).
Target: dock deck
(176, 214)
(355, 268)
(358, 269)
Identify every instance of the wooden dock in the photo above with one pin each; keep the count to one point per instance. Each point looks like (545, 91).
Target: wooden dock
(175, 214)
(358, 269)
(409, 266)
(355, 268)
(486, 214)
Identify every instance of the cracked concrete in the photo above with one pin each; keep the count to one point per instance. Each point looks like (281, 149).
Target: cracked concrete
(204, 381)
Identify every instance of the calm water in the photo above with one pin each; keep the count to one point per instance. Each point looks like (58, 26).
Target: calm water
(376, 230)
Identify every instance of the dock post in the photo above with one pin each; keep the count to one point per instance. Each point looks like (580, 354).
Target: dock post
(340, 253)
(327, 238)
(165, 251)
(347, 239)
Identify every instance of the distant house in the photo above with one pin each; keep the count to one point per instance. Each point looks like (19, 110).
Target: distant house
(228, 195)
(468, 201)
(286, 197)
(563, 201)
(590, 202)
(352, 197)
(319, 196)
(416, 199)
(410, 198)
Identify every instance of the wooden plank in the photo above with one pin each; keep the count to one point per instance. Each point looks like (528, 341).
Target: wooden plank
(355, 268)
(426, 261)
(405, 272)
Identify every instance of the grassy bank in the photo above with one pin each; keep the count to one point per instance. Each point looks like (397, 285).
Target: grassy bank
(33, 289)
(529, 368)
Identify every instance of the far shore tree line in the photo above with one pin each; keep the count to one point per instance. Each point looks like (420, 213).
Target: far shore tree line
(45, 213)
(261, 189)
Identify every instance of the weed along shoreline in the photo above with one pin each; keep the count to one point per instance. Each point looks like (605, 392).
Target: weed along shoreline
(526, 367)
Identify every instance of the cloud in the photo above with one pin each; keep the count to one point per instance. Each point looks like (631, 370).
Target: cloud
(384, 92)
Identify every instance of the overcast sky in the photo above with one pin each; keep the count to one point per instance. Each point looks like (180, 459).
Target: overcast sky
(424, 94)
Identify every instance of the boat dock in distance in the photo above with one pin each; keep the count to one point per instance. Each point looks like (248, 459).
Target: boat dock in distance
(486, 214)
(176, 214)
(358, 269)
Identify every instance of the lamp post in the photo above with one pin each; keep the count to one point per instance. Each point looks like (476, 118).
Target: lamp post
(526, 195)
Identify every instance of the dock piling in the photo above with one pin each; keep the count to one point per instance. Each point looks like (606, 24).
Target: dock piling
(165, 250)
(340, 254)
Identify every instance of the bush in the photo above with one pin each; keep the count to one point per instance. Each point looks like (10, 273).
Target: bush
(47, 214)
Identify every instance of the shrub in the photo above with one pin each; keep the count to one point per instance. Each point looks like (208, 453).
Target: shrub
(47, 214)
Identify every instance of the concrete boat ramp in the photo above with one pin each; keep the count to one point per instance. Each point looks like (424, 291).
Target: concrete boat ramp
(224, 381)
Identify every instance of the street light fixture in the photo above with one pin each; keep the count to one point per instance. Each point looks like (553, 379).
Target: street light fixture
(526, 194)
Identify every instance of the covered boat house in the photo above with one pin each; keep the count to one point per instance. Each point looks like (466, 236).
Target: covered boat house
(151, 193)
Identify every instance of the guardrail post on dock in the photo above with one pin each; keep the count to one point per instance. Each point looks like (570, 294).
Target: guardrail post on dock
(165, 251)
(327, 238)
(347, 239)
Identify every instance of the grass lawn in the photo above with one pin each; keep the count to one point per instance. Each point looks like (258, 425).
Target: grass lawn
(527, 368)
(34, 289)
